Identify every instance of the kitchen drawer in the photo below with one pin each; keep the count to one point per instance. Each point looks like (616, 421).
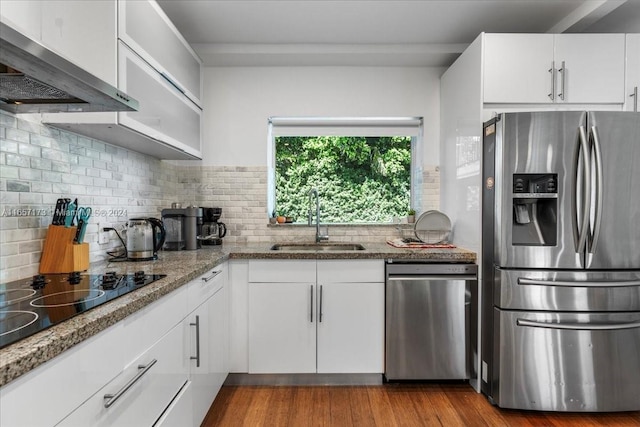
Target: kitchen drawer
(202, 288)
(154, 379)
(47, 394)
(180, 412)
(145, 327)
(554, 361)
(264, 271)
(351, 271)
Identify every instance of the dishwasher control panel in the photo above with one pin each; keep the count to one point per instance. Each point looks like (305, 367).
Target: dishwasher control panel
(430, 269)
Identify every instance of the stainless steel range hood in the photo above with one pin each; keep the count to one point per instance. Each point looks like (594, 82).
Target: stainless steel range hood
(33, 79)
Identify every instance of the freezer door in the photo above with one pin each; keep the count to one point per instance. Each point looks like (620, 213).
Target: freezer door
(567, 290)
(614, 242)
(540, 230)
(574, 362)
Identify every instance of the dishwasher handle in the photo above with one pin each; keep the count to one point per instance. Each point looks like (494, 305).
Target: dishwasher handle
(432, 277)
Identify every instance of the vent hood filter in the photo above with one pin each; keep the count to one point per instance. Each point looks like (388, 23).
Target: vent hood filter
(33, 79)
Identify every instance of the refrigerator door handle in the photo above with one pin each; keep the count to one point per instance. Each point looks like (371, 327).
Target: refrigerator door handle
(578, 326)
(597, 154)
(581, 184)
(579, 284)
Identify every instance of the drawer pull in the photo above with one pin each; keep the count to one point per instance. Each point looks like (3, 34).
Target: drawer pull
(579, 284)
(578, 326)
(112, 398)
(213, 274)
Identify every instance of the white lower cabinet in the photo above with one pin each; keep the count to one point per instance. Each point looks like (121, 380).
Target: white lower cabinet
(282, 328)
(143, 370)
(350, 316)
(351, 328)
(63, 383)
(207, 329)
(141, 393)
(333, 324)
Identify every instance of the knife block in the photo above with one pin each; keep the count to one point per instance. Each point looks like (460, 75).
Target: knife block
(60, 254)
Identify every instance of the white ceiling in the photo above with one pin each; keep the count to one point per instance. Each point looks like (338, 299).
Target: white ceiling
(376, 32)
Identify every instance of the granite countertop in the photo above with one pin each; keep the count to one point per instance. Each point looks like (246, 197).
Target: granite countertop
(180, 268)
(371, 251)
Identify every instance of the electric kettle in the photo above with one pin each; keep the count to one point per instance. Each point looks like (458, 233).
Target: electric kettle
(145, 236)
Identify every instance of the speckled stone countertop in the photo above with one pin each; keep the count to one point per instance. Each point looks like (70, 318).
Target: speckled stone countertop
(180, 268)
(371, 251)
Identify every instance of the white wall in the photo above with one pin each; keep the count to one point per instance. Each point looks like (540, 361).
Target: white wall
(239, 101)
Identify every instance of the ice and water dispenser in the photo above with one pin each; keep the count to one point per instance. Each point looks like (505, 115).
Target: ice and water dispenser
(535, 209)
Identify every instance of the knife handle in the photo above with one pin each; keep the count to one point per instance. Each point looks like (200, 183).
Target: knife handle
(69, 215)
(80, 231)
(57, 213)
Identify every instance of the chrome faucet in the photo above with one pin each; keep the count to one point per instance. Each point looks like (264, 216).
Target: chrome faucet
(313, 193)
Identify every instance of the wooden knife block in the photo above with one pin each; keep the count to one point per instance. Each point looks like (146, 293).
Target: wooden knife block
(60, 254)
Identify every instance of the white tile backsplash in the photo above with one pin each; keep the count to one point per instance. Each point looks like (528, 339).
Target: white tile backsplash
(39, 164)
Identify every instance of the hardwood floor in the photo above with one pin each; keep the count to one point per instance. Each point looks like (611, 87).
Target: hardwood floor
(385, 405)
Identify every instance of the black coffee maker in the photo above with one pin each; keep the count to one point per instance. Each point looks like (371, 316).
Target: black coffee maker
(212, 230)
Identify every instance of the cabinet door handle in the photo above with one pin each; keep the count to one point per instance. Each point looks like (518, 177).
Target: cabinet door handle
(311, 293)
(634, 95)
(197, 356)
(112, 398)
(213, 274)
(563, 72)
(320, 310)
(552, 70)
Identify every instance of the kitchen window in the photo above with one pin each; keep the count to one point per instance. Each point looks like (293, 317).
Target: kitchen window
(366, 170)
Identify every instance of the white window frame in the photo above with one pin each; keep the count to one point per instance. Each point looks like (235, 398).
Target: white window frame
(349, 126)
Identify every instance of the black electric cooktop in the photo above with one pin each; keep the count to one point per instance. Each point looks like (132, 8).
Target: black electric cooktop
(31, 305)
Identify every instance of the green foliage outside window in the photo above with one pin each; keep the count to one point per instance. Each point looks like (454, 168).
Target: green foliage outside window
(360, 179)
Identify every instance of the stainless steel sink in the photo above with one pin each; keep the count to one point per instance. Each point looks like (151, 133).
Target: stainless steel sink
(317, 247)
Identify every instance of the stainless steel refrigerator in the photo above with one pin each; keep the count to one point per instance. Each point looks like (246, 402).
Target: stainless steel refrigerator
(561, 261)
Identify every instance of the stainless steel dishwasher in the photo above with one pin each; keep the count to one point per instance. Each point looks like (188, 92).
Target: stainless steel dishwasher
(431, 328)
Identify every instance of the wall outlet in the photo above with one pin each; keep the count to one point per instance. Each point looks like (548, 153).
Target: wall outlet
(103, 236)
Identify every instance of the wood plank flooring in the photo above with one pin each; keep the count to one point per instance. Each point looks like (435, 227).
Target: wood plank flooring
(385, 405)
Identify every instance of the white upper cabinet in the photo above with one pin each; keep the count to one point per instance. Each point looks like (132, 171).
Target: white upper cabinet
(164, 114)
(517, 68)
(632, 73)
(590, 68)
(161, 45)
(23, 15)
(65, 26)
(133, 46)
(548, 68)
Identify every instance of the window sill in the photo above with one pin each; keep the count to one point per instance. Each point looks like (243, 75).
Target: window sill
(355, 224)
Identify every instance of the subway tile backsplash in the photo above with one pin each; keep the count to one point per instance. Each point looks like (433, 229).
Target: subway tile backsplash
(39, 164)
